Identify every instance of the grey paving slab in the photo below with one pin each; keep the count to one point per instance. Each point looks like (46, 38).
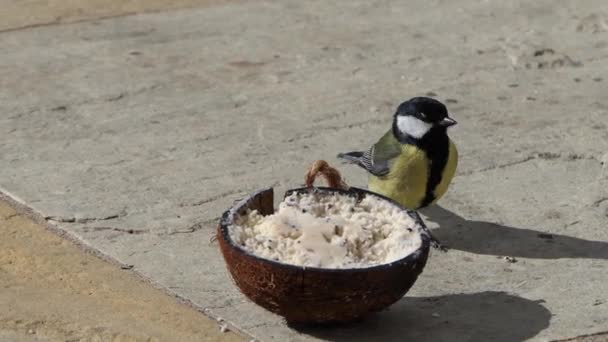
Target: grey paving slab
(17, 14)
(134, 134)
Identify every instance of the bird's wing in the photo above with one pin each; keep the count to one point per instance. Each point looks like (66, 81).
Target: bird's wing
(378, 159)
(383, 153)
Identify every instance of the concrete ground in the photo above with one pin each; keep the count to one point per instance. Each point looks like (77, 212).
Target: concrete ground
(133, 133)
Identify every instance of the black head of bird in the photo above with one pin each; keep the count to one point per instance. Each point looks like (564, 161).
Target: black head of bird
(418, 116)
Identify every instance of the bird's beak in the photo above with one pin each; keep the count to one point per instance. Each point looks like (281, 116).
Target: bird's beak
(447, 122)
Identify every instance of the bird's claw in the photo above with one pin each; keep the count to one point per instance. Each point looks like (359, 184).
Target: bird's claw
(438, 245)
(435, 243)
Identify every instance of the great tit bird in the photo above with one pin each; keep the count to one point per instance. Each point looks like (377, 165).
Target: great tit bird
(415, 161)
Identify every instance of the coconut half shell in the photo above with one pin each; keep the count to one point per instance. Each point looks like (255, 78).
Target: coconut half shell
(317, 295)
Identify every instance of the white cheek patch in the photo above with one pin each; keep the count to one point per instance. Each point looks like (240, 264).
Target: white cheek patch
(412, 126)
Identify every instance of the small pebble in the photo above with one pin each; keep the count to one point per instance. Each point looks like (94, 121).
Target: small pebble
(510, 259)
(31, 331)
(223, 328)
(436, 315)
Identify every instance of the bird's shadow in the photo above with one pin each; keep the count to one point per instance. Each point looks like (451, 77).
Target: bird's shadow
(484, 316)
(489, 238)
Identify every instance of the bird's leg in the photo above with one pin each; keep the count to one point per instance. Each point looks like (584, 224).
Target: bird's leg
(438, 245)
(435, 242)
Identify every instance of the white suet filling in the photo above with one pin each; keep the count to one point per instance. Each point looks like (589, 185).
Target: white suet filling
(329, 231)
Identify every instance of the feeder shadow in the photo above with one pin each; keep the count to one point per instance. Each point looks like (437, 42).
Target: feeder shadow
(493, 239)
(485, 316)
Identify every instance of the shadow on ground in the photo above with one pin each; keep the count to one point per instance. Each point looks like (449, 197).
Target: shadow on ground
(485, 316)
(489, 238)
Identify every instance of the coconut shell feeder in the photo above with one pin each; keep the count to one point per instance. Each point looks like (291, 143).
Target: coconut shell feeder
(317, 295)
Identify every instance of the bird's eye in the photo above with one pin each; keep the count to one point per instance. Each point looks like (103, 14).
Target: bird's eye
(422, 115)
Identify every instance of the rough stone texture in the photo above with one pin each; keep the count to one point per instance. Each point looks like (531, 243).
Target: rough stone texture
(135, 133)
(19, 14)
(601, 337)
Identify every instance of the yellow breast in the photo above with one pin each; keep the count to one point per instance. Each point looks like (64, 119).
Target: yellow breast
(406, 182)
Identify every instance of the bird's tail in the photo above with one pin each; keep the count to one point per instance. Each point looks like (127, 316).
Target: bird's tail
(352, 157)
(358, 158)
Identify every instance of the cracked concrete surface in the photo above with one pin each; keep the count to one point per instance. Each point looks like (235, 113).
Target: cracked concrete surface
(135, 133)
(19, 15)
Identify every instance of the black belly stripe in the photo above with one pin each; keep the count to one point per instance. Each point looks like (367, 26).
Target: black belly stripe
(436, 145)
(437, 148)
